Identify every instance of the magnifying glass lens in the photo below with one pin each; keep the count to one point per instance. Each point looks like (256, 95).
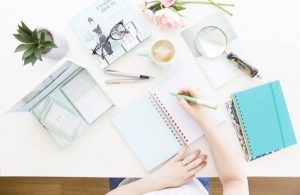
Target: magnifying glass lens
(211, 42)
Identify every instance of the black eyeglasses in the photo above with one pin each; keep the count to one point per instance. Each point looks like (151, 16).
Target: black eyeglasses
(103, 48)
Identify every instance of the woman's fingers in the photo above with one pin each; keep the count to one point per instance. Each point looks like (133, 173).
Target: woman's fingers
(183, 91)
(188, 91)
(198, 168)
(179, 156)
(196, 162)
(184, 103)
(192, 157)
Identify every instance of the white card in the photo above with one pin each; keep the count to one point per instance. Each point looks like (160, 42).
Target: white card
(61, 121)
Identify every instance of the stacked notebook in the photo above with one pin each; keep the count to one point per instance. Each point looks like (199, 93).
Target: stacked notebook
(261, 120)
(156, 126)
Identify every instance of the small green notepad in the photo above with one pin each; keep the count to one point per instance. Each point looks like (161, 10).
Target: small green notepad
(264, 119)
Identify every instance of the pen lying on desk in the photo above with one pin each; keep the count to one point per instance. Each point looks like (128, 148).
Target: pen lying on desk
(131, 75)
(119, 81)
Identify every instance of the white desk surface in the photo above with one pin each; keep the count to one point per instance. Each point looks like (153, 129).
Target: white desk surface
(268, 30)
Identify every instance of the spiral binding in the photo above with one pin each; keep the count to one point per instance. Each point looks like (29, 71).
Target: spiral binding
(173, 126)
(242, 123)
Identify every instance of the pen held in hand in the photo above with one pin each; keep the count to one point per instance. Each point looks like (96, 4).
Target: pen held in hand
(196, 100)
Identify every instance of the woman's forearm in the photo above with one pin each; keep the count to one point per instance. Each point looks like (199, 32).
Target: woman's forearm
(228, 166)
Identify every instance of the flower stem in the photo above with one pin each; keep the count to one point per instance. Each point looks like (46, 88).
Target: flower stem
(152, 2)
(205, 2)
(220, 7)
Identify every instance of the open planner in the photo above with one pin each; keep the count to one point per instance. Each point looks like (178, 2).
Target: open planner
(261, 120)
(66, 102)
(156, 126)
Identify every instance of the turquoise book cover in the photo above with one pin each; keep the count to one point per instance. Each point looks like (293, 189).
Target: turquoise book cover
(264, 119)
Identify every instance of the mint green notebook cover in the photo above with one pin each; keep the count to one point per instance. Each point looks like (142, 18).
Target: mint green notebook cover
(265, 119)
(147, 134)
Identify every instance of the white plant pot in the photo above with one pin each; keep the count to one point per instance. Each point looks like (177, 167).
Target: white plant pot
(62, 46)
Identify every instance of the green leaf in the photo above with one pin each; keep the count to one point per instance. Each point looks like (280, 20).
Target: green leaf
(179, 3)
(178, 8)
(38, 54)
(35, 35)
(24, 34)
(28, 59)
(25, 27)
(155, 7)
(23, 47)
(33, 61)
(29, 52)
(42, 38)
(22, 39)
(50, 45)
(41, 46)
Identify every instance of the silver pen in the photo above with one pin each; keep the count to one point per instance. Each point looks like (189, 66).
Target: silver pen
(119, 81)
(131, 75)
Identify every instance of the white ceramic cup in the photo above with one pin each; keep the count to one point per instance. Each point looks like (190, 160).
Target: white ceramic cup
(162, 53)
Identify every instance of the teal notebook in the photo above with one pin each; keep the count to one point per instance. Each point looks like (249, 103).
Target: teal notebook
(264, 119)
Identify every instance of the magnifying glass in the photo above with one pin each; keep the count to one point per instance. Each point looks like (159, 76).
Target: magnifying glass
(212, 42)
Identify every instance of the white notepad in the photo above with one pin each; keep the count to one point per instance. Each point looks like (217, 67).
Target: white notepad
(60, 120)
(86, 96)
(156, 126)
(218, 70)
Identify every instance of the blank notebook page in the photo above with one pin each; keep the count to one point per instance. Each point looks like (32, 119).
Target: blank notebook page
(183, 79)
(147, 133)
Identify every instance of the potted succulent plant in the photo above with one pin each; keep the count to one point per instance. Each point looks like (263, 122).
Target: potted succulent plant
(40, 43)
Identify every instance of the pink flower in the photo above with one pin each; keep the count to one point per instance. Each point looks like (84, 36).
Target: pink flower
(142, 5)
(166, 18)
(167, 3)
(148, 14)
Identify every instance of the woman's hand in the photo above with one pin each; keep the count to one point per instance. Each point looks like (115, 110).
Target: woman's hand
(196, 111)
(178, 170)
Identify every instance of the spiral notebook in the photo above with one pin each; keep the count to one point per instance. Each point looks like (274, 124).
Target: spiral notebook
(156, 126)
(261, 120)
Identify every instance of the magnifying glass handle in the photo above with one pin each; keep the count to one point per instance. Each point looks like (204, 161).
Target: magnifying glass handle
(250, 70)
